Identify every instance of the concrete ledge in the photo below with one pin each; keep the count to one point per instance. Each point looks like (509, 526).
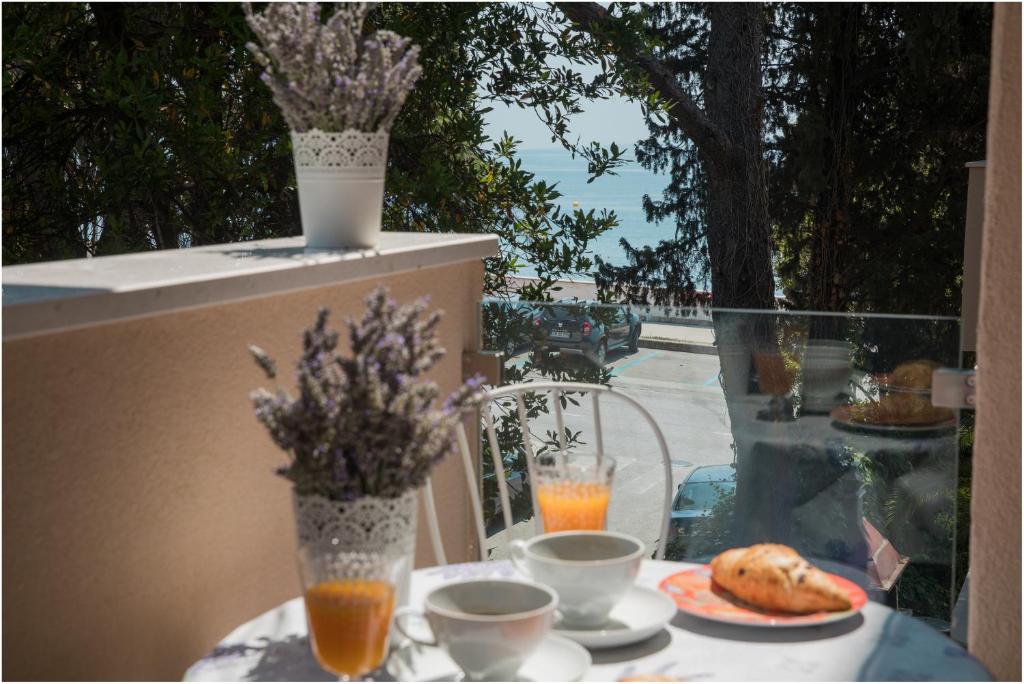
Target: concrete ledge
(676, 345)
(61, 295)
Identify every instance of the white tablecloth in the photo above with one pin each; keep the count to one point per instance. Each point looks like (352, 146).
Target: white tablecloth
(879, 644)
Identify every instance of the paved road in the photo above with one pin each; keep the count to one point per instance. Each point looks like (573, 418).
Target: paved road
(682, 392)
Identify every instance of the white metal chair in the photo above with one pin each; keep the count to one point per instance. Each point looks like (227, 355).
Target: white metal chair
(557, 390)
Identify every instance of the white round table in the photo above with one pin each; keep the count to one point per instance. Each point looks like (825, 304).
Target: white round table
(879, 644)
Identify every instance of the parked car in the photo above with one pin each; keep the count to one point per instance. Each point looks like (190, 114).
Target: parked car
(585, 328)
(508, 326)
(698, 494)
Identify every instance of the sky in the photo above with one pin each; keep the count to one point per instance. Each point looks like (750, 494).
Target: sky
(606, 121)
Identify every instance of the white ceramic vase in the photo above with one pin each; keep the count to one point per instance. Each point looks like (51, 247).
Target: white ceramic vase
(340, 177)
(826, 370)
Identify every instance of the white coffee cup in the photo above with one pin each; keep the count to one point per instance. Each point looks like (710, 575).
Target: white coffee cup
(487, 626)
(590, 571)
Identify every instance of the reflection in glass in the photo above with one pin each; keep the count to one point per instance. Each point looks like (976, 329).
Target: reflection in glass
(824, 423)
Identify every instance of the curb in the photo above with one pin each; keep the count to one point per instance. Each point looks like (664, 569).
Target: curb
(688, 321)
(673, 345)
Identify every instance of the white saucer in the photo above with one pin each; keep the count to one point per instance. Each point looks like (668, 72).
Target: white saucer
(556, 659)
(640, 614)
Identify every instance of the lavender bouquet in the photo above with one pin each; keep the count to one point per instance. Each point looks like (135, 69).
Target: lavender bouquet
(328, 76)
(363, 425)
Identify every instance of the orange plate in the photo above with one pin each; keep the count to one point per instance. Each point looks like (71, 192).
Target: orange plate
(695, 593)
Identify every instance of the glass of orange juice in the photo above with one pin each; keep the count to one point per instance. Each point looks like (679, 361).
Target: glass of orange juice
(350, 599)
(573, 490)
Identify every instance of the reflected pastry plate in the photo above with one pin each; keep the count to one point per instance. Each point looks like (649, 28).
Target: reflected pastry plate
(841, 418)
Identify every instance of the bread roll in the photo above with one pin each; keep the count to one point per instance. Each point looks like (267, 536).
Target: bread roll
(913, 375)
(775, 577)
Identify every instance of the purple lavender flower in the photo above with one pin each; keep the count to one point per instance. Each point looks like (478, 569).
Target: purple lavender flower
(365, 423)
(303, 58)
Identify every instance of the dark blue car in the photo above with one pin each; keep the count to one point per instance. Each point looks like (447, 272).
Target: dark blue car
(586, 329)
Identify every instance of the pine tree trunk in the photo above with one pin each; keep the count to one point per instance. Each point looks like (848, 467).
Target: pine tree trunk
(739, 248)
(739, 245)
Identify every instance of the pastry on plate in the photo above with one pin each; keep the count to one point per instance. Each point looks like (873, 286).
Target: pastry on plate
(899, 409)
(777, 578)
(912, 375)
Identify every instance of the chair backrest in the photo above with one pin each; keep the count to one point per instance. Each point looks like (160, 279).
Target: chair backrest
(556, 390)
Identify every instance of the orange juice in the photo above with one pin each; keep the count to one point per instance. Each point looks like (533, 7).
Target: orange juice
(573, 505)
(349, 622)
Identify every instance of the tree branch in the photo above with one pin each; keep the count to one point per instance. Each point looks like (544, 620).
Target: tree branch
(687, 114)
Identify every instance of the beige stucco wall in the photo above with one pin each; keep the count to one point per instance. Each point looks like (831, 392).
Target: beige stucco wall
(994, 627)
(141, 518)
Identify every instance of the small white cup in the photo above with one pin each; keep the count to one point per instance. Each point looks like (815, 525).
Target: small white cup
(590, 571)
(488, 627)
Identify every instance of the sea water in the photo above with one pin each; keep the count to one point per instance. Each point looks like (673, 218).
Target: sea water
(622, 193)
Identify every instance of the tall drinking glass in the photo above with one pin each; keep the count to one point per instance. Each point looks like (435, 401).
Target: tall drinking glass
(350, 598)
(573, 490)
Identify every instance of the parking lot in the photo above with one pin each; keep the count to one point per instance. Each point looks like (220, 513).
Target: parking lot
(682, 393)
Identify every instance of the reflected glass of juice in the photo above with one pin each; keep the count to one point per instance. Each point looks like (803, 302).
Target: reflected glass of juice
(573, 490)
(350, 598)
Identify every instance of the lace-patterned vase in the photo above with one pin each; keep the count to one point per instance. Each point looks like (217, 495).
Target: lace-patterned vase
(367, 539)
(340, 177)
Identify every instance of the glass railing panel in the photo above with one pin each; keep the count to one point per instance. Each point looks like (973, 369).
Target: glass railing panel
(813, 430)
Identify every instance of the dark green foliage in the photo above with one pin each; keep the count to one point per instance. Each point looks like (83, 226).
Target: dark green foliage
(910, 115)
(135, 127)
(915, 102)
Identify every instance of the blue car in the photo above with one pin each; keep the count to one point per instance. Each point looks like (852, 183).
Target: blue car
(586, 329)
(695, 497)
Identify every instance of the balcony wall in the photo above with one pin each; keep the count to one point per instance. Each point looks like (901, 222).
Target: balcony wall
(994, 625)
(141, 517)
